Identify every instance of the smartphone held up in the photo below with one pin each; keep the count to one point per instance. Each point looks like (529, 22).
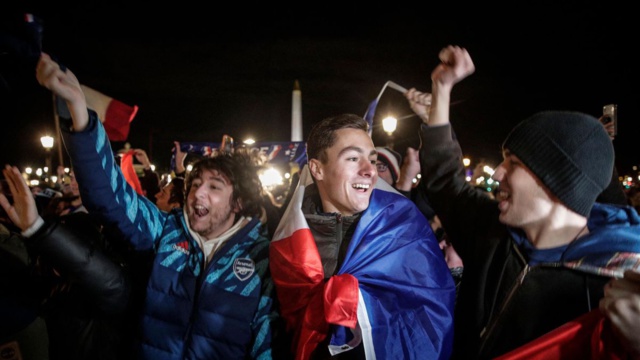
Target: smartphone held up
(610, 115)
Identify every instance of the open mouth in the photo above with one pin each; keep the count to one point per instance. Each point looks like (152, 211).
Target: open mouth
(502, 195)
(361, 187)
(200, 210)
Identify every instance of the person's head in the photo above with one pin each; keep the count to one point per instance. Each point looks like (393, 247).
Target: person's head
(70, 185)
(341, 158)
(218, 189)
(551, 159)
(388, 165)
(171, 195)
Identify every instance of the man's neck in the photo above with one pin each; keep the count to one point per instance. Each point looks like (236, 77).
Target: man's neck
(557, 229)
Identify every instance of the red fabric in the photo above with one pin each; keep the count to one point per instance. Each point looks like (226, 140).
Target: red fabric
(308, 303)
(341, 300)
(129, 172)
(588, 337)
(117, 120)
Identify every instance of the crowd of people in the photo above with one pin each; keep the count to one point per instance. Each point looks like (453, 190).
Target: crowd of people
(373, 255)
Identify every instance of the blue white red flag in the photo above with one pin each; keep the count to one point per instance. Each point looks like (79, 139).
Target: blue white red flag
(276, 152)
(116, 116)
(371, 112)
(394, 278)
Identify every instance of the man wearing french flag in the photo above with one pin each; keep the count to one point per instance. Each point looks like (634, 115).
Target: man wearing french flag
(357, 268)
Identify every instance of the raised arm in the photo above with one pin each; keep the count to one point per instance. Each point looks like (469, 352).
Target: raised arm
(67, 249)
(104, 190)
(455, 65)
(64, 84)
(180, 157)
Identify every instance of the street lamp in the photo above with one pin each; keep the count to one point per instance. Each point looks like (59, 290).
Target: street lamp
(389, 125)
(47, 144)
(467, 172)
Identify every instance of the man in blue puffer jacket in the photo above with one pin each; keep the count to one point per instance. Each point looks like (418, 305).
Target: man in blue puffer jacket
(210, 294)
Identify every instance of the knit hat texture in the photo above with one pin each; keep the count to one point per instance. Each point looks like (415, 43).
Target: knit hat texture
(392, 159)
(570, 152)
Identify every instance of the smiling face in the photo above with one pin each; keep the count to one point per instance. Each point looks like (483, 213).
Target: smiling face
(345, 180)
(209, 204)
(523, 199)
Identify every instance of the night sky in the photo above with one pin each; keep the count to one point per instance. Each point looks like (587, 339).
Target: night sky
(198, 73)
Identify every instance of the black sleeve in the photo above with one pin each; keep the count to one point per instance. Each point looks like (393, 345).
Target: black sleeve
(466, 213)
(75, 258)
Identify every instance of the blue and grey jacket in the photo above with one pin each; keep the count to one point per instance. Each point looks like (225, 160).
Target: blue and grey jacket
(222, 310)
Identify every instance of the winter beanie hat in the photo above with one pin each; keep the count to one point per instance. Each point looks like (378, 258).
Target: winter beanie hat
(392, 159)
(570, 152)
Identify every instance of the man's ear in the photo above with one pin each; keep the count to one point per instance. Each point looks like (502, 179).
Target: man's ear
(236, 206)
(315, 167)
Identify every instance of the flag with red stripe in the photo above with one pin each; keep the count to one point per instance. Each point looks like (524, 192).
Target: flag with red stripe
(392, 253)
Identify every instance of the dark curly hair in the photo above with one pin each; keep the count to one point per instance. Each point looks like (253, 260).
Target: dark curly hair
(323, 136)
(241, 171)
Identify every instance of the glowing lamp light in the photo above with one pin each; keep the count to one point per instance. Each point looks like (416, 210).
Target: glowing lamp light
(270, 177)
(47, 142)
(488, 169)
(389, 124)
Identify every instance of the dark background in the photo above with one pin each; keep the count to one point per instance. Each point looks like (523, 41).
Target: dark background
(200, 71)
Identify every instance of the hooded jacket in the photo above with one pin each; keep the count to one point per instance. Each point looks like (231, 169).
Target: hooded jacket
(503, 301)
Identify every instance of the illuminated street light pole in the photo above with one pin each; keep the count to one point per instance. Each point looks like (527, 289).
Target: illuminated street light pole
(47, 144)
(389, 125)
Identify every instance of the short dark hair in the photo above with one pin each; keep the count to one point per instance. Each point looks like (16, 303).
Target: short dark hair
(177, 194)
(322, 134)
(241, 171)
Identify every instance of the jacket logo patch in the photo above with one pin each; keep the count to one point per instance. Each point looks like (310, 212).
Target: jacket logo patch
(244, 268)
(183, 247)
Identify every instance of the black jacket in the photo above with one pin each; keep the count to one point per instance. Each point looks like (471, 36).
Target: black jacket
(77, 289)
(503, 302)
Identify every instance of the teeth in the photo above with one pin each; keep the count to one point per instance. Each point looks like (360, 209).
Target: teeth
(502, 195)
(200, 210)
(361, 186)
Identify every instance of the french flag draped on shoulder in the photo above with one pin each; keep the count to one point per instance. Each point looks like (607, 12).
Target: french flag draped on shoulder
(393, 292)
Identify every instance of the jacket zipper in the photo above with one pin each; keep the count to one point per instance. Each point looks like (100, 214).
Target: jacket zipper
(340, 239)
(194, 307)
(489, 328)
(493, 320)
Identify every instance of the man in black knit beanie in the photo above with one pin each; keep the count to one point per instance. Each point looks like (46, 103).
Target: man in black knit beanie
(539, 254)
